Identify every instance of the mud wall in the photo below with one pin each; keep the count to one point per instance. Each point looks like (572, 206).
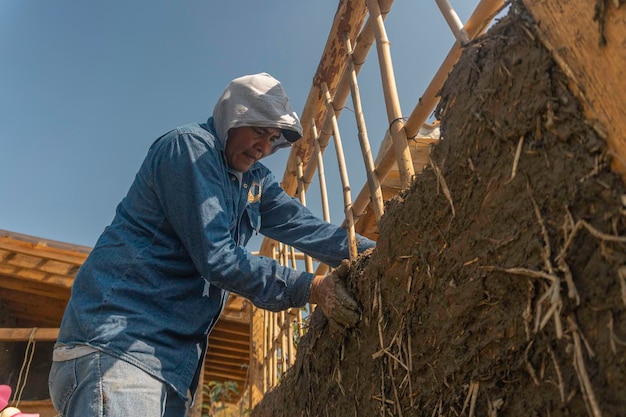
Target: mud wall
(497, 287)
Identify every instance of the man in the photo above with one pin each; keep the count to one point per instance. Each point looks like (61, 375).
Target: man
(134, 333)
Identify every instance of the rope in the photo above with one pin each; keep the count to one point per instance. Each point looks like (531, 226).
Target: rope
(396, 120)
(28, 359)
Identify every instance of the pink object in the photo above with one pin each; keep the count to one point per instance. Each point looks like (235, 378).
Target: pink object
(5, 394)
(14, 412)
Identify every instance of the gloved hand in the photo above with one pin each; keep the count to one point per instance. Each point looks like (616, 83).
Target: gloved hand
(331, 295)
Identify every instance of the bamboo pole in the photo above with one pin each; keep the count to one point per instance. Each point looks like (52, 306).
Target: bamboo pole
(290, 346)
(321, 268)
(365, 40)
(292, 257)
(266, 324)
(345, 181)
(273, 361)
(394, 112)
(477, 23)
(453, 21)
(321, 174)
(350, 16)
(283, 343)
(308, 262)
(368, 160)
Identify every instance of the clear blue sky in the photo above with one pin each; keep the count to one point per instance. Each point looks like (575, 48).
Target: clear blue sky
(86, 87)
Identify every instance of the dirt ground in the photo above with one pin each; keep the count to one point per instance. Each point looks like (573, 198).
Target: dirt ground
(495, 288)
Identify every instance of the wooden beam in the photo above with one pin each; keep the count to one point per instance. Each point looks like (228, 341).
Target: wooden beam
(227, 376)
(25, 334)
(224, 352)
(34, 275)
(34, 287)
(231, 366)
(228, 358)
(220, 334)
(235, 347)
(37, 313)
(43, 248)
(22, 297)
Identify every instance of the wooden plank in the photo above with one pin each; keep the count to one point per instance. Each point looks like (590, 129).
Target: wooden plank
(224, 350)
(236, 371)
(24, 334)
(40, 316)
(60, 268)
(230, 361)
(21, 297)
(23, 261)
(34, 287)
(227, 358)
(33, 275)
(597, 73)
(42, 248)
(235, 347)
(223, 376)
(238, 331)
(232, 316)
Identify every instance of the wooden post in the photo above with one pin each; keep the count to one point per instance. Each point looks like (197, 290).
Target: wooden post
(266, 350)
(291, 350)
(283, 343)
(321, 175)
(394, 113)
(273, 362)
(344, 175)
(308, 262)
(453, 21)
(372, 177)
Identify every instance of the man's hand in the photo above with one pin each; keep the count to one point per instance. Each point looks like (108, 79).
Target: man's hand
(330, 294)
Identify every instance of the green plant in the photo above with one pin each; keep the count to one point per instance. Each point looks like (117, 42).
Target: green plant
(218, 393)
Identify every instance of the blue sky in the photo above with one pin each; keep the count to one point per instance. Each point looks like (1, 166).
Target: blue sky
(86, 87)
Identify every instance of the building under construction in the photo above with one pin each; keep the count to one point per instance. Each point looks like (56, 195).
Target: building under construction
(519, 181)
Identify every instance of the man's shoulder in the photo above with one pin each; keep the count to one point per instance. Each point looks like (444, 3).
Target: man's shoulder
(195, 129)
(193, 136)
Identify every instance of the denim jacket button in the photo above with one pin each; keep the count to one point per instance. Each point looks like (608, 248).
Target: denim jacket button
(245, 186)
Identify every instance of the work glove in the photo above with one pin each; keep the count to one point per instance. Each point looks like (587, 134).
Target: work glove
(331, 295)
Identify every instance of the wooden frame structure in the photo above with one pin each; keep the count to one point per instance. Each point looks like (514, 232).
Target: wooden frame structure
(595, 69)
(398, 160)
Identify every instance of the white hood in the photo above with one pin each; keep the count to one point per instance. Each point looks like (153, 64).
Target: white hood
(257, 100)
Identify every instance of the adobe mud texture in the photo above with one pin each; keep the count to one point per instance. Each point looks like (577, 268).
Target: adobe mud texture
(498, 284)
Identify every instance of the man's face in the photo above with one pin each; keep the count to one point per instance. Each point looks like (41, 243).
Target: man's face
(248, 144)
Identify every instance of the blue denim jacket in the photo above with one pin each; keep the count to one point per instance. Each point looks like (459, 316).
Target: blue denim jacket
(156, 281)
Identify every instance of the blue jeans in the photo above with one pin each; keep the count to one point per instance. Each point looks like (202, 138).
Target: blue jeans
(100, 385)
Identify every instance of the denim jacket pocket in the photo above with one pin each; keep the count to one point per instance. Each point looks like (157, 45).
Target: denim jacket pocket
(252, 224)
